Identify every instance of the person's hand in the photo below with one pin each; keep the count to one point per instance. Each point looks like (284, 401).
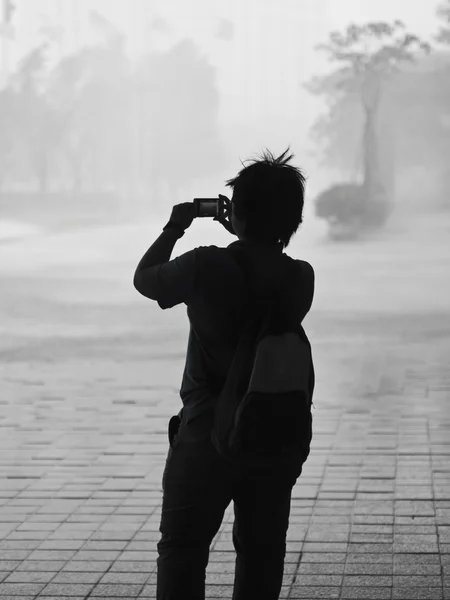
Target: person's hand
(183, 214)
(226, 219)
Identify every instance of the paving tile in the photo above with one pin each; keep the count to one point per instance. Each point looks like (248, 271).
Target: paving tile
(84, 566)
(9, 565)
(76, 577)
(413, 593)
(366, 593)
(368, 580)
(41, 565)
(117, 590)
(41, 597)
(133, 567)
(367, 558)
(18, 597)
(325, 557)
(427, 581)
(23, 589)
(314, 593)
(320, 568)
(30, 577)
(58, 545)
(416, 569)
(15, 555)
(9, 544)
(368, 569)
(67, 589)
(125, 578)
(95, 555)
(318, 580)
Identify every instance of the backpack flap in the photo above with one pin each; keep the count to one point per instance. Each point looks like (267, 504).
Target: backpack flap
(282, 364)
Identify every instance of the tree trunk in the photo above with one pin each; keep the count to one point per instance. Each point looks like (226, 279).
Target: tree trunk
(371, 97)
(77, 170)
(43, 173)
(372, 176)
(376, 190)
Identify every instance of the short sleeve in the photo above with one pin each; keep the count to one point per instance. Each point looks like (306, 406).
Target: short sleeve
(174, 280)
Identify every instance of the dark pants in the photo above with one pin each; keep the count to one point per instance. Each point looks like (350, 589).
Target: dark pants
(198, 486)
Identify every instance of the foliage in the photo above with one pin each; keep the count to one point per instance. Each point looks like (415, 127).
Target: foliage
(343, 204)
(367, 57)
(443, 13)
(96, 120)
(368, 54)
(36, 127)
(180, 103)
(340, 203)
(7, 137)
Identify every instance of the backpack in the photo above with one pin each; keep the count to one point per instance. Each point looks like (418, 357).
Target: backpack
(262, 415)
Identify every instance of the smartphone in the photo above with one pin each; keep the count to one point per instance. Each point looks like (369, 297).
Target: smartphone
(208, 207)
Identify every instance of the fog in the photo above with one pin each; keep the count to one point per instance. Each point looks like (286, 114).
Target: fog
(114, 111)
(126, 168)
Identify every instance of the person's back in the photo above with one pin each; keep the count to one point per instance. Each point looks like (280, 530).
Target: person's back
(218, 312)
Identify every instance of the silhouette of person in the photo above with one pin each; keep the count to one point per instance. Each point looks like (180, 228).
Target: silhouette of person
(198, 484)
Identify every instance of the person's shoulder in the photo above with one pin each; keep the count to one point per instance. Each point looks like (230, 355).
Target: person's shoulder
(209, 249)
(211, 254)
(212, 250)
(305, 266)
(305, 270)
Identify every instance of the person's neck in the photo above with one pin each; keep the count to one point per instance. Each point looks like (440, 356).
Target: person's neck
(260, 244)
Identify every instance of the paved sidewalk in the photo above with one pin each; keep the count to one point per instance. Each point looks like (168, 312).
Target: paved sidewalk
(83, 437)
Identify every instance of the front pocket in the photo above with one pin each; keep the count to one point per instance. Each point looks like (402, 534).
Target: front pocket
(174, 425)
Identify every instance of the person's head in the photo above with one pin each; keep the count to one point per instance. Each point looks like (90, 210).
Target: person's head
(267, 201)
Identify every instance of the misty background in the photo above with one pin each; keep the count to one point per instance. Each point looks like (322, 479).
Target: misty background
(111, 112)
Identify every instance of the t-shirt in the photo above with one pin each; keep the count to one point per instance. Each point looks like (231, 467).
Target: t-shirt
(213, 286)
